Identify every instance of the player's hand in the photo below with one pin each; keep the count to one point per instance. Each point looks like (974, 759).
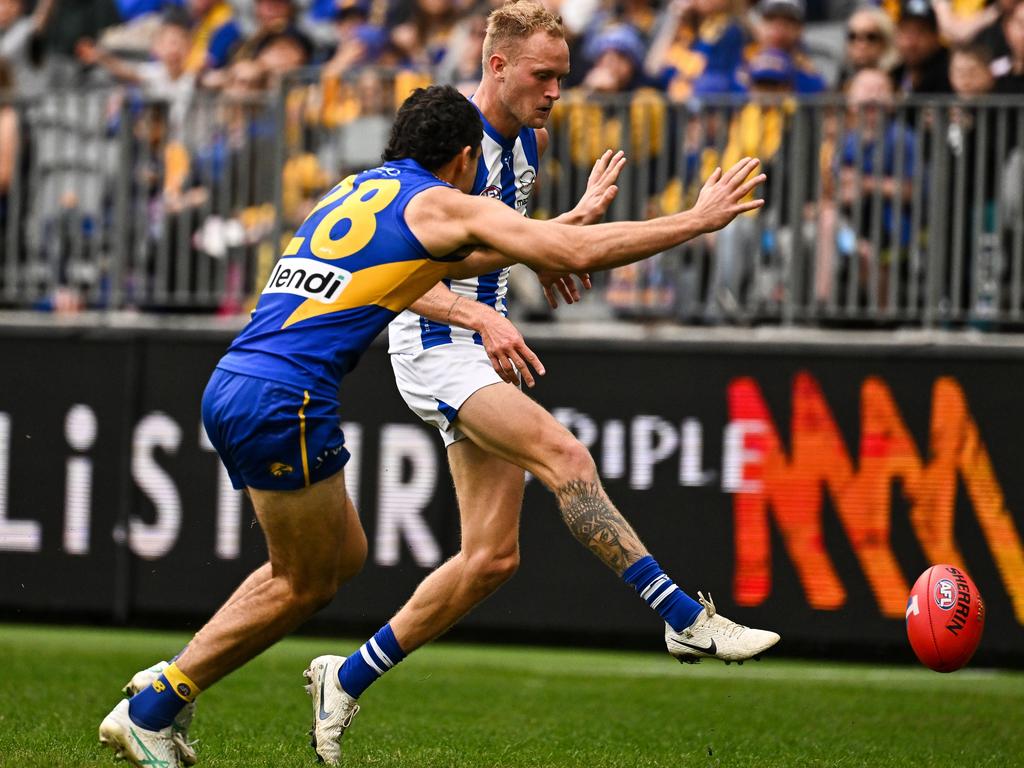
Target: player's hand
(562, 283)
(601, 187)
(721, 199)
(507, 350)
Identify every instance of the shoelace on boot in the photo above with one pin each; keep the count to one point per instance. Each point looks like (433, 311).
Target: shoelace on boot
(731, 628)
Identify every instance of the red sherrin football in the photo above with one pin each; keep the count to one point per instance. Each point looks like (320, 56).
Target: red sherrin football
(945, 618)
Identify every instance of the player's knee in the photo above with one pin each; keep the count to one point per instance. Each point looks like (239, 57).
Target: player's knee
(490, 569)
(310, 595)
(570, 461)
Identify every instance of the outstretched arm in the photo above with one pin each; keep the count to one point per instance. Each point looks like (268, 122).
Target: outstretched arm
(445, 220)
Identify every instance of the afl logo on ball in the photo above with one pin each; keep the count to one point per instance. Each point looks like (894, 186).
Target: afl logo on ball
(492, 191)
(945, 594)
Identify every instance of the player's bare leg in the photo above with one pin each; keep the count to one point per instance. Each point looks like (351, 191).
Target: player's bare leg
(315, 542)
(508, 424)
(490, 495)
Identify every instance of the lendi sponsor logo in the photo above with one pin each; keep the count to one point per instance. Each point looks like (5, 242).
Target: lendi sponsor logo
(309, 278)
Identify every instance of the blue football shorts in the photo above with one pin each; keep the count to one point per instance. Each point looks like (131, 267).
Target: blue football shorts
(272, 436)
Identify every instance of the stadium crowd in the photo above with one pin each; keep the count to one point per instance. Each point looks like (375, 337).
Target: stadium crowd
(354, 61)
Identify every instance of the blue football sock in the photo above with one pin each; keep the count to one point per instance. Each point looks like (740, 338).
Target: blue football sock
(377, 655)
(156, 706)
(676, 607)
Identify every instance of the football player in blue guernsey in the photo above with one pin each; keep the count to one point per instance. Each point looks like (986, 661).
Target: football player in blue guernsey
(374, 244)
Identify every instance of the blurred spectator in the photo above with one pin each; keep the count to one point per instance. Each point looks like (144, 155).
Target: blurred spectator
(617, 55)
(869, 43)
(462, 65)
(272, 18)
(781, 28)
(698, 50)
(971, 143)
(962, 22)
(596, 121)
(212, 34)
(423, 39)
(872, 149)
(283, 52)
(925, 60)
(759, 130)
(358, 42)
(165, 77)
(21, 44)
(1009, 70)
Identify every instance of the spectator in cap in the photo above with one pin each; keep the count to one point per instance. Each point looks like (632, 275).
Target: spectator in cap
(617, 54)
(760, 130)
(594, 124)
(359, 43)
(925, 67)
(698, 50)
(781, 28)
(869, 43)
(873, 146)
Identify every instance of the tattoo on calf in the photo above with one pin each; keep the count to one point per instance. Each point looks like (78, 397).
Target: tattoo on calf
(597, 524)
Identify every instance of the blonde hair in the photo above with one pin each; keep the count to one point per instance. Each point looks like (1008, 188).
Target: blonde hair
(886, 27)
(516, 21)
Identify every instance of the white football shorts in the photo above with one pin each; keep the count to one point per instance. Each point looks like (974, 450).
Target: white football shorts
(436, 382)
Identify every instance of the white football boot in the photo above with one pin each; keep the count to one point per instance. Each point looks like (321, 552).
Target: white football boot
(139, 746)
(142, 680)
(333, 709)
(712, 636)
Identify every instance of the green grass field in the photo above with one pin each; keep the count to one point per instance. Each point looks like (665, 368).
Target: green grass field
(462, 705)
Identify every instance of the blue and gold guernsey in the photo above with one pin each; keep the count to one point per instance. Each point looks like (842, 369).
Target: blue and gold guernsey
(508, 172)
(271, 408)
(352, 266)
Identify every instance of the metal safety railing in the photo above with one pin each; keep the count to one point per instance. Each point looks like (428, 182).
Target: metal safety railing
(905, 212)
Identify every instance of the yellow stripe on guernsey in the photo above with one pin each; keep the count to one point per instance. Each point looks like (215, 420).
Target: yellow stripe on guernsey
(302, 436)
(180, 684)
(391, 285)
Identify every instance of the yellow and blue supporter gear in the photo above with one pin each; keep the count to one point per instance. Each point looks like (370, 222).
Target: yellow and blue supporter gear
(706, 60)
(271, 408)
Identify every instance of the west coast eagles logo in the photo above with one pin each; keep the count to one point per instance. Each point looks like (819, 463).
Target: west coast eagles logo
(280, 469)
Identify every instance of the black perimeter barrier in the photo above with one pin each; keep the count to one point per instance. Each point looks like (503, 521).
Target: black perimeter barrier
(805, 483)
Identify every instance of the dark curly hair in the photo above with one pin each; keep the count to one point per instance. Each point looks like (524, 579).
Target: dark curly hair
(432, 126)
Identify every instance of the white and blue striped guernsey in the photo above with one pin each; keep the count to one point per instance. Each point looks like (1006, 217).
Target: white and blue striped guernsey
(507, 171)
